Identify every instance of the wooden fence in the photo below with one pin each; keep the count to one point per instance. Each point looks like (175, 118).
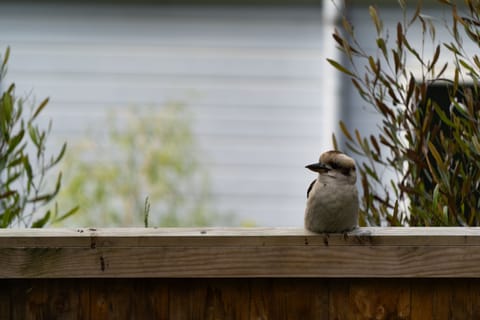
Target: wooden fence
(260, 273)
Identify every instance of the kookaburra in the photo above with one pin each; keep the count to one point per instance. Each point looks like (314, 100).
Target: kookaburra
(332, 199)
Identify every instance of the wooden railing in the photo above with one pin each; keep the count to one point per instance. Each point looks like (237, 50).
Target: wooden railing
(258, 273)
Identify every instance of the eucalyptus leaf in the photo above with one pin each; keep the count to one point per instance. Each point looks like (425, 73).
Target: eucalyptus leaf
(432, 148)
(25, 191)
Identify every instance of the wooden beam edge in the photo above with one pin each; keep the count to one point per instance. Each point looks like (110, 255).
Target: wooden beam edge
(233, 252)
(220, 237)
(244, 262)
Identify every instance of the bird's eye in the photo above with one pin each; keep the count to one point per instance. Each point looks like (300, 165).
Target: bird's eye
(334, 165)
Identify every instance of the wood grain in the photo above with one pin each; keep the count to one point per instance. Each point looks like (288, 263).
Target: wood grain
(289, 299)
(371, 299)
(48, 299)
(422, 306)
(181, 237)
(224, 253)
(152, 297)
(272, 298)
(209, 299)
(5, 302)
(338, 297)
(198, 262)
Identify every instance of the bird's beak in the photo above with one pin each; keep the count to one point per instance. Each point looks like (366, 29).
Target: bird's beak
(318, 167)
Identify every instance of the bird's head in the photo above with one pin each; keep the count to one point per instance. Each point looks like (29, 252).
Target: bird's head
(335, 164)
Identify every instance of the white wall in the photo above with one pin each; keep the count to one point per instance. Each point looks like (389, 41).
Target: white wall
(255, 78)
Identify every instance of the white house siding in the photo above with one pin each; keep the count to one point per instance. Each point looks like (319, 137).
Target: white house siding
(254, 79)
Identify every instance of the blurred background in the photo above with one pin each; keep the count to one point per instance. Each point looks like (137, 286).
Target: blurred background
(204, 113)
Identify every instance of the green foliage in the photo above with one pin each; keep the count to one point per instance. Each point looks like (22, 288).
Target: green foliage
(24, 164)
(146, 172)
(433, 153)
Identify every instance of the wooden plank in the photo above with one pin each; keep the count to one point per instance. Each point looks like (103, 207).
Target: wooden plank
(184, 300)
(289, 299)
(445, 299)
(227, 299)
(5, 299)
(114, 299)
(370, 299)
(422, 299)
(442, 291)
(338, 295)
(49, 299)
(209, 299)
(67, 298)
(128, 298)
(36, 301)
(461, 301)
(262, 305)
(274, 298)
(238, 237)
(239, 252)
(475, 296)
(155, 298)
(275, 261)
(19, 295)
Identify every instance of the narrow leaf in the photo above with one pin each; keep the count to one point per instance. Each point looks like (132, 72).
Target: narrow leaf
(42, 221)
(345, 131)
(40, 108)
(6, 57)
(67, 214)
(334, 142)
(341, 68)
(28, 167)
(376, 20)
(436, 155)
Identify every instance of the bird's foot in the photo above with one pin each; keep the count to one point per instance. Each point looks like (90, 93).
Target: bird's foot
(362, 236)
(326, 236)
(346, 233)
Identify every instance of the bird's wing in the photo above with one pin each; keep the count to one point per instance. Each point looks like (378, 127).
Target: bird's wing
(310, 187)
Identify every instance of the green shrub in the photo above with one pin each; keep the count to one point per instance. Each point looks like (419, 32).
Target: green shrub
(433, 152)
(25, 168)
(150, 154)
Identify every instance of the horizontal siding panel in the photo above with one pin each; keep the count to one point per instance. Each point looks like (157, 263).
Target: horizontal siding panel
(199, 112)
(253, 79)
(272, 128)
(119, 26)
(168, 62)
(248, 160)
(267, 188)
(142, 85)
(264, 214)
(157, 94)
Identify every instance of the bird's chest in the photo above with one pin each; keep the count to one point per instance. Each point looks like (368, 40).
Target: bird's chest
(331, 208)
(332, 197)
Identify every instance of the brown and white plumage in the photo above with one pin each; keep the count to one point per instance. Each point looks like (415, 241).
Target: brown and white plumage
(332, 199)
